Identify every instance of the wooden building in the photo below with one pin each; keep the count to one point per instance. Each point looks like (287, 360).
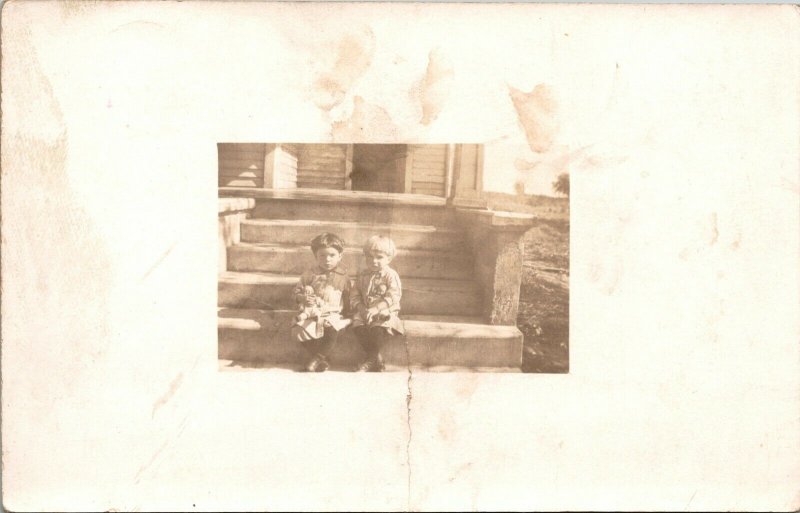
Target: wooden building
(444, 170)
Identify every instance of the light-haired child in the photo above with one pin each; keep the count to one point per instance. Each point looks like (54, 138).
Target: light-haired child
(320, 295)
(375, 302)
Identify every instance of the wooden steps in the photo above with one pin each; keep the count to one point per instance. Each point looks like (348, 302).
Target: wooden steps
(263, 336)
(353, 233)
(420, 295)
(294, 259)
(441, 305)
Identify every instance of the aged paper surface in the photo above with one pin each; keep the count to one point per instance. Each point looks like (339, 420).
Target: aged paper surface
(681, 123)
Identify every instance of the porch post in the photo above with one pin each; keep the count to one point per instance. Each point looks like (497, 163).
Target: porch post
(408, 170)
(467, 187)
(348, 168)
(497, 248)
(280, 168)
(448, 174)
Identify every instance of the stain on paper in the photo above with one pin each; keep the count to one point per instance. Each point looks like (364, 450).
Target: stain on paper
(536, 112)
(434, 88)
(368, 122)
(713, 229)
(354, 53)
(51, 246)
(173, 387)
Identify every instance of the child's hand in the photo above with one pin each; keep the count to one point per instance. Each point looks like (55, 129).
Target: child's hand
(371, 313)
(310, 300)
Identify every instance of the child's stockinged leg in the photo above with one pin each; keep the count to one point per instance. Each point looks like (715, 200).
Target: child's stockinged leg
(363, 340)
(320, 351)
(378, 335)
(372, 341)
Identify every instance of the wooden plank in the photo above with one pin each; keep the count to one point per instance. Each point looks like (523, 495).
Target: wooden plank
(427, 147)
(322, 153)
(321, 158)
(348, 167)
(438, 154)
(323, 169)
(318, 180)
(430, 159)
(288, 161)
(325, 186)
(238, 183)
(243, 146)
(429, 185)
(324, 178)
(448, 179)
(424, 167)
(422, 164)
(429, 193)
(439, 171)
(428, 179)
(255, 157)
(408, 178)
(331, 164)
(450, 193)
(241, 173)
(428, 150)
(292, 149)
(479, 175)
(433, 173)
(322, 174)
(270, 171)
(242, 164)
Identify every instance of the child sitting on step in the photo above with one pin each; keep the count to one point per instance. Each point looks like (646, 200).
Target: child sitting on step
(375, 302)
(320, 295)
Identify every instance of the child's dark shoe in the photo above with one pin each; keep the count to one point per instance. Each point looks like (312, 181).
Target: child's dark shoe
(322, 366)
(378, 365)
(365, 367)
(314, 364)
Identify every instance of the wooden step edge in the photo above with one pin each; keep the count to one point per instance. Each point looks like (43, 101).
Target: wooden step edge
(245, 319)
(298, 223)
(411, 282)
(289, 247)
(337, 196)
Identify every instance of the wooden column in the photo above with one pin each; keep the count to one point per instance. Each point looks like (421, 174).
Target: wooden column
(448, 176)
(408, 171)
(467, 187)
(348, 168)
(271, 166)
(497, 249)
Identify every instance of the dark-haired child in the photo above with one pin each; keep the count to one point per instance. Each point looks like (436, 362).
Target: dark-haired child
(320, 295)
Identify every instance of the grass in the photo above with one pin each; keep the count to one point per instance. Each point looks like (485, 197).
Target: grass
(543, 314)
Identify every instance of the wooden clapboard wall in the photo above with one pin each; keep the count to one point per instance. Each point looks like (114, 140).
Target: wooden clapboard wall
(241, 165)
(321, 166)
(286, 167)
(429, 168)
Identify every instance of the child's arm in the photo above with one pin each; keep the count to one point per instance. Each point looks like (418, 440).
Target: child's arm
(346, 293)
(390, 300)
(299, 293)
(356, 299)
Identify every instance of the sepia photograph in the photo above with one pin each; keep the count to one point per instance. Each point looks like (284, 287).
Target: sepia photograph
(373, 257)
(399, 256)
